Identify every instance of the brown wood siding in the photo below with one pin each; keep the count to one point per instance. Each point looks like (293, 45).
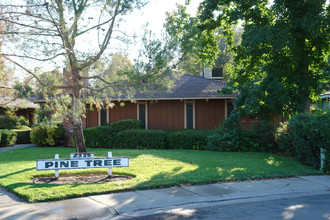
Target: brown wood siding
(92, 118)
(208, 114)
(117, 113)
(167, 115)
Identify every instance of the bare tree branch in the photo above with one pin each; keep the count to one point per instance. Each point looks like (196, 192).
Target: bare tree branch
(105, 41)
(35, 76)
(31, 33)
(33, 58)
(25, 25)
(95, 26)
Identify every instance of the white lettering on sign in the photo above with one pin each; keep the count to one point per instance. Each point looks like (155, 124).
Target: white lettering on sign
(82, 163)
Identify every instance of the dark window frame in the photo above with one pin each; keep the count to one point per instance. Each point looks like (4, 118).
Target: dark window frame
(189, 122)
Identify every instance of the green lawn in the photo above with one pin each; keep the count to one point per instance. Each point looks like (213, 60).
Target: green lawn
(151, 168)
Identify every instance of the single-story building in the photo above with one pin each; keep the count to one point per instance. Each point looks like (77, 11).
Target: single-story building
(193, 103)
(22, 107)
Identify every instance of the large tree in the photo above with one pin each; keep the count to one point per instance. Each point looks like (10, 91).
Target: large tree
(283, 60)
(73, 35)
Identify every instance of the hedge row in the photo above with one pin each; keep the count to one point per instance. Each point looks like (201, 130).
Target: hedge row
(140, 139)
(124, 125)
(8, 138)
(188, 139)
(99, 136)
(23, 135)
(106, 136)
(47, 135)
(260, 137)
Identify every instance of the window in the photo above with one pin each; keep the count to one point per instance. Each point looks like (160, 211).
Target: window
(103, 116)
(217, 71)
(142, 114)
(189, 115)
(230, 108)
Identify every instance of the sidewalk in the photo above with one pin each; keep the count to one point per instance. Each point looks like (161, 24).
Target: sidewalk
(127, 203)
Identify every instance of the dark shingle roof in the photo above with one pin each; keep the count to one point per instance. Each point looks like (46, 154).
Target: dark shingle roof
(187, 87)
(190, 87)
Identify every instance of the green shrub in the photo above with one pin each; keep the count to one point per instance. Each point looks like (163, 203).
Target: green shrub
(123, 125)
(47, 135)
(8, 138)
(0, 135)
(23, 135)
(260, 137)
(102, 136)
(233, 138)
(141, 139)
(188, 139)
(23, 121)
(303, 136)
(9, 121)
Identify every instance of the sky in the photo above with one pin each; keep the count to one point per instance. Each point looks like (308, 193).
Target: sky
(154, 14)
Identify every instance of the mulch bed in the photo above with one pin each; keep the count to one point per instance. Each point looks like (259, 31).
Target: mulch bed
(81, 178)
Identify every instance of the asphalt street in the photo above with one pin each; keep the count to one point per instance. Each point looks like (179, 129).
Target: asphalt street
(313, 207)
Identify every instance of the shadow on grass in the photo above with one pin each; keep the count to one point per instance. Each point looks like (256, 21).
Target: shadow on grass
(17, 172)
(209, 167)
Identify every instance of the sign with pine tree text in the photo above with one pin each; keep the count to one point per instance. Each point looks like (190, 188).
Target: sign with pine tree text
(82, 161)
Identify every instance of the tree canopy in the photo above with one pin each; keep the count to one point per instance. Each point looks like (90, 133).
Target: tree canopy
(282, 62)
(73, 36)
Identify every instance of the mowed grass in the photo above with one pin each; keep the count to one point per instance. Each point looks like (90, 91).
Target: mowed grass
(150, 168)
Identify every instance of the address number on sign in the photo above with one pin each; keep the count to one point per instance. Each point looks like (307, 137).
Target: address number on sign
(82, 155)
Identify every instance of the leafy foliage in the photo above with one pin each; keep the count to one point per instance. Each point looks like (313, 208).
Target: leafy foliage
(123, 125)
(188, 139)
(303, 136)
(23, 90)
(140, 139)
(259, 137)
(52, 32)
(9, 120)
(8, 138)
(23, 135)
(282, 62)
(47, 135)
(102, 136)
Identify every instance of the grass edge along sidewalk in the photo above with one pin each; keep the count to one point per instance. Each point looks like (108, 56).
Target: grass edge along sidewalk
(150, 169)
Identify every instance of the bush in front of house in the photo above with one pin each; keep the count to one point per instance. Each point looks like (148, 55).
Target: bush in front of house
(140, 139)
(188, 139)
(303, 136)
(47, 134)
(128, 124)
(229, 139)
(8, 138)
(9, 120)
(259, 137)
(23, 135)
(102, 136)
(262, 137)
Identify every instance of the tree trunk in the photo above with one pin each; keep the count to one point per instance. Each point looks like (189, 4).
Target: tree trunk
(77, 123)
(78, 135)
(307, 104)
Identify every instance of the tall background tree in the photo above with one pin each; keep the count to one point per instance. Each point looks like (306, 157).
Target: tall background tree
(282, 62)
(73, 36)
